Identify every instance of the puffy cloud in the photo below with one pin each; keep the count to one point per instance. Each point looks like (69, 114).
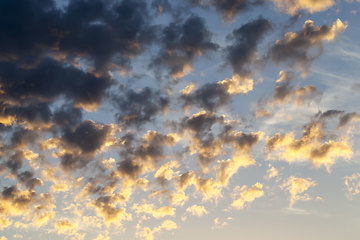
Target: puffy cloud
(15, 202)
(296, 187)
(71, 32)
(242, 145)
(196, 210)
(148, 233)
(286, 93)
(64, 226)
(144, 157)
(230, 8)
(46, 82)
(211, 96)
(245, 40)
(244, 195)
(152, 210)
(237, 85)
(107, 209)
(88, 136)
(271, 173)
(209, 188)
(166, 172)
(181, 43)
(4, 223)
(101, 237)
(294, 6)
(312, 146)
(297, 48)
(352, 184)
(178, 198)
(139, 107)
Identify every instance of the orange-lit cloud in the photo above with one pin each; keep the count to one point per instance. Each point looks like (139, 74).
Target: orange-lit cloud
(296, 187)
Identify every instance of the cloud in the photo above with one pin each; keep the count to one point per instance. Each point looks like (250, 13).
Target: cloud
(212, 96)
(148, 233)
(242, 52)
(88, 136)
(144, 157)
(64, 226)
(150, 209)
(85, 29)
(293, 7)
(244, 195)
(107, 209)
(286, 93)
(352, 184)
(15, 202)
(197, 210)
(181, 43)
(312, 146)
(297, 48)
(230, 8)
(140, 107)
(242, 145)
(296, 187)
(85, 132)
(45, 83)
(271, 173)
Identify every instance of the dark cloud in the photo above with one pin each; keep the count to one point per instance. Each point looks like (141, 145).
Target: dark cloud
(230, 8)
(346, 118)
(97, 30)
(67, 116)
(130, 168)
(286, 92)
(240, 140)
(88, 136)
(181, 42)
(27, 27)
(106, 32)
(136, 160)
(283, 88)
(210, 96)
(343, 118)
(23, 137)
(33, 113)
(297, 49)
(28, 179)
(204, 140)
(201, 123)
(140, 107)
(71, 162)
(245, 40)
(49, 80)
(18, 200)
(15, 162)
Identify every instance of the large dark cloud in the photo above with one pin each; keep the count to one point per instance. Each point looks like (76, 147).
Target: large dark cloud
(106, 34)
(181, 42)
(241, 53)
(27, 27)
(49, 80)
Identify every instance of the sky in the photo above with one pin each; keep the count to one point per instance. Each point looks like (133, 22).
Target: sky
(173, 120)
